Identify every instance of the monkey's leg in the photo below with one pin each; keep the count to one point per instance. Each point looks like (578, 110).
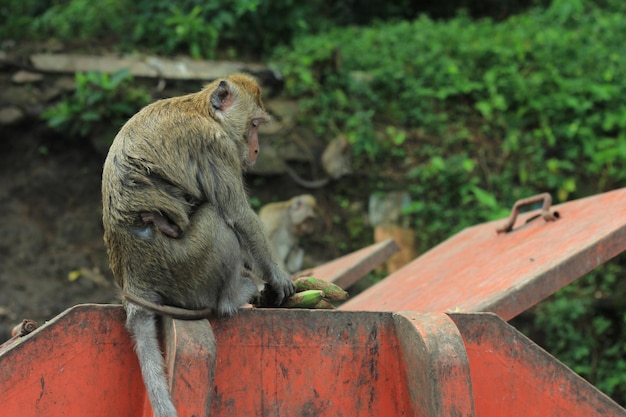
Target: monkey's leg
(143, 327)
(240, 289)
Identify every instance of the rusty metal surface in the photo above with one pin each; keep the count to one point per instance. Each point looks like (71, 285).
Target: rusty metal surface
(510, 372)
(546, 214)
(80, 363)
(296, 363)
(348, 269)
(481, 270)
(191, 355)
(436, 365)
(308, 363)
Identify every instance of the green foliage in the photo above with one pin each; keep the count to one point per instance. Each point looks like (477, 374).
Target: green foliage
(99, 99)
(81, 19)
(198, 26)
(583, 325)
(491, 112)
(190, 26)
(190, 29)
(201, 28)
(448, 198)
(17, 16)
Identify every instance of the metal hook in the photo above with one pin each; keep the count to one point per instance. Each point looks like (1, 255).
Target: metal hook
(547, 215)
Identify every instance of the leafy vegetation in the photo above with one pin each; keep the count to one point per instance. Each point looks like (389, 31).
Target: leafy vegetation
(204, 28)
(584, 326)
(518, 106)
(99, 99)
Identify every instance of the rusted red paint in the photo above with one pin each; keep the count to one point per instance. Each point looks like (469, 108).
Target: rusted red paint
(481, 270)
(436, 365)
(81, 363)
(276, 362)
(190, 352)
(308, 363)
(348, 269)
(513, 376)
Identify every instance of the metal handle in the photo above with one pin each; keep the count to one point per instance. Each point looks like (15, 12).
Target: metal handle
(545, 210)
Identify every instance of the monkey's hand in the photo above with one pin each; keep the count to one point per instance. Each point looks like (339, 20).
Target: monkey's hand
(311, 292)
(279, 288)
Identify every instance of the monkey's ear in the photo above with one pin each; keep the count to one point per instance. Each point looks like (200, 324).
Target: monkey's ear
(222, 96)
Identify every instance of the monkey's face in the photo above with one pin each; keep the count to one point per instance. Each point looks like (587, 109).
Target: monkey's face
(235, 103)
(252, 139)
(303, 215)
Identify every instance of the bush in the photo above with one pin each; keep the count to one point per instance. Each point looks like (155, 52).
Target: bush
(81, 20)
(189, 26)
(100, 100)
(523, 102)
(583, 325)
(202, 28)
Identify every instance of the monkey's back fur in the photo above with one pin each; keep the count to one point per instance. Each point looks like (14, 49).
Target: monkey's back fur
(157, 163)
(177, 223)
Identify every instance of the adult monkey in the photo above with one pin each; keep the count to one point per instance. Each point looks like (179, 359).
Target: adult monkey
(177, 224)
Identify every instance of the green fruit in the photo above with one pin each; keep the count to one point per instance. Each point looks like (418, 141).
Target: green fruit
(304, 299)
(331, 291)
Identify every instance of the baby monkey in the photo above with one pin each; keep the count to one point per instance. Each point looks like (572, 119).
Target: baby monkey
(178, 227)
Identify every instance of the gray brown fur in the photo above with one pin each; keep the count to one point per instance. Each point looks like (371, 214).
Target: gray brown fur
(285, 222)
(178, 165)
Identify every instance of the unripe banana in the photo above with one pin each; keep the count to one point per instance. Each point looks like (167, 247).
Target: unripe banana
(324, 305)
(304, 299)
(331, 291)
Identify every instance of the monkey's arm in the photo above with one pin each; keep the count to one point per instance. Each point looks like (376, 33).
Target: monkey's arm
(249, 228)
(227, 192)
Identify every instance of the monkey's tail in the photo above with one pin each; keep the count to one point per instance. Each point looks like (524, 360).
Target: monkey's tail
(166, 310)
(142, 326)
(305, 183)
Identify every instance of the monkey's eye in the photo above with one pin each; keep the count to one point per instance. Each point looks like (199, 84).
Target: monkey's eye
(256, 122)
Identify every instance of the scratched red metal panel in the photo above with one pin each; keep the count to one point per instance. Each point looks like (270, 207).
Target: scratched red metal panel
(348, 269)
(308, 363)
(513, 376)
(436, 365)
(190, 351)
(81, 363)
(288, 362)
(480, 270)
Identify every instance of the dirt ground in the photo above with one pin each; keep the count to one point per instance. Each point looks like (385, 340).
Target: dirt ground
(51, 226)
